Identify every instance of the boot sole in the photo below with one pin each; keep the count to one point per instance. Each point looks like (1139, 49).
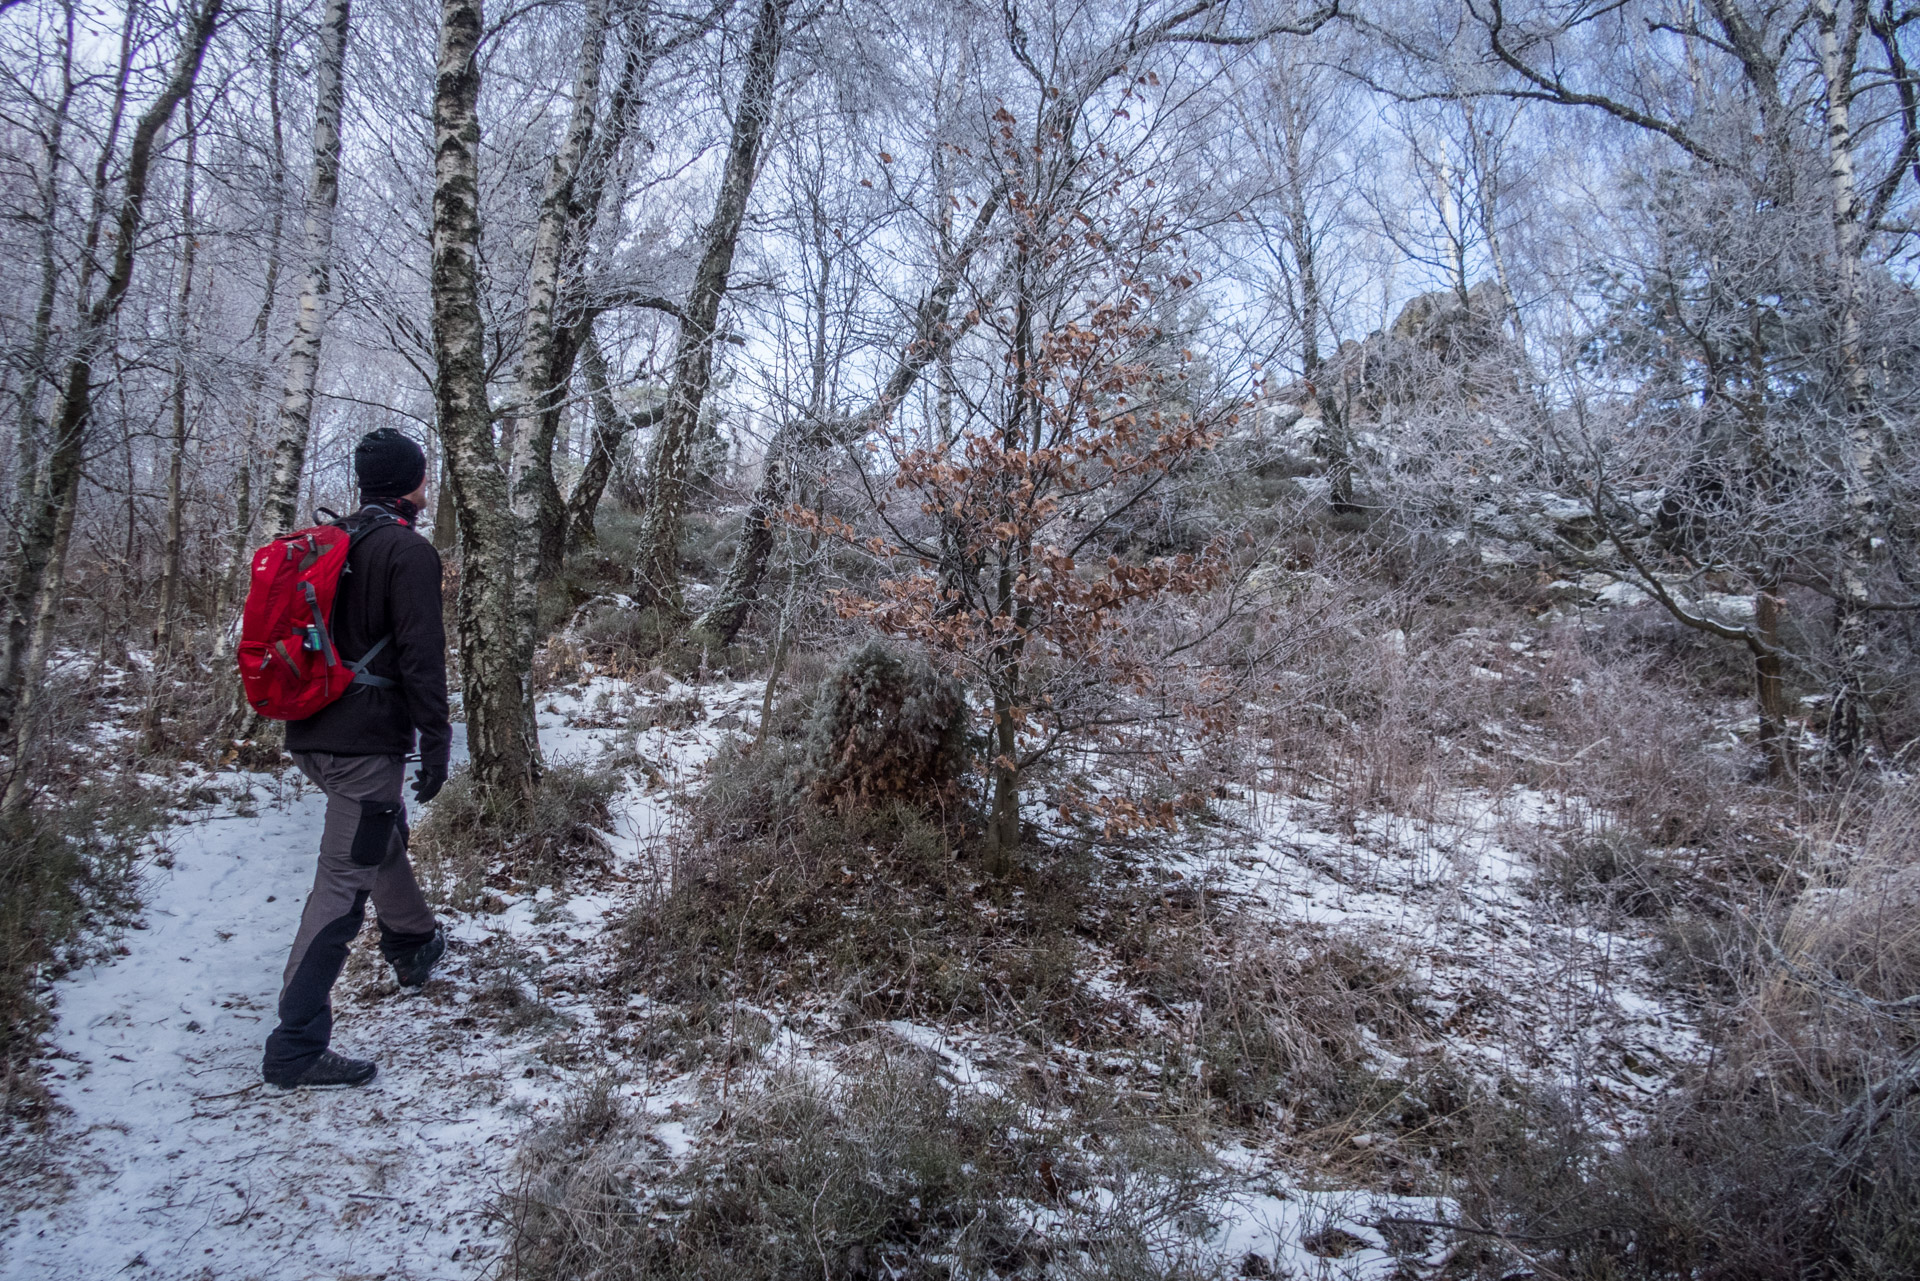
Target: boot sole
(288, 1086)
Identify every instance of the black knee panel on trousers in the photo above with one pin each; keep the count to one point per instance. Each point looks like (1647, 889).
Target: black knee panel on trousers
(306, 1013)
(374, 836)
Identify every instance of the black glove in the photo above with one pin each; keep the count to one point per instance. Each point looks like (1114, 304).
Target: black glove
(428, 780)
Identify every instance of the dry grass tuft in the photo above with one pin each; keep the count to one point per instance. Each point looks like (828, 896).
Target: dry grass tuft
(1795, 1152)
(887, 727)
(467, 848)
(69, 875)
(876, 1171)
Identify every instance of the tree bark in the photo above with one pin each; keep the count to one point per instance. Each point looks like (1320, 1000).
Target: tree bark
(29, 481)
(177, 455)
(496, 688)
(1003, 819)
(547, 506)
(303, 354)
(1335, 440)
(568, 523)
(1013, 554)
(608, 431)
(1770, 684)
(672, 453)
(31, 432)
(446, 516)
(526, 438)
(1838, 53)
(47, 533)
(226, 626)
(546, 356)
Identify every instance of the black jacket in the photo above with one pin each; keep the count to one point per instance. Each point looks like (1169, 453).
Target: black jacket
(391, 587)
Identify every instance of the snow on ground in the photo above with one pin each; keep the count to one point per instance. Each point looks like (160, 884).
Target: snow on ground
(1519, 983)
(172, 1160)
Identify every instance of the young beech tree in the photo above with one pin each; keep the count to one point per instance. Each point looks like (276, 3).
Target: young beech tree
(1004, 547)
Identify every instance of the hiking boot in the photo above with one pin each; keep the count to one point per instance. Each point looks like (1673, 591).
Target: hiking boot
(412, 968)
(330, 1069)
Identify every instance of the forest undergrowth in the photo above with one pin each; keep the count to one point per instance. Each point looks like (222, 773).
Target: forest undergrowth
(899, 1065)
(910, 1068)
(70, 875)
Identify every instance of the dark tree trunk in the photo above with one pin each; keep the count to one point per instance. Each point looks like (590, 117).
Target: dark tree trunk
(609, 429)
(547, 348)
(672, 453)
(1770, 684)
(36, 374)
(549, 507)
(177, 455)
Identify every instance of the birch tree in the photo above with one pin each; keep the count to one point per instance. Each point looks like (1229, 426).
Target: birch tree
(1307, 165)
(497, 686)
(303, 355)
(528, 439)
(47, 531)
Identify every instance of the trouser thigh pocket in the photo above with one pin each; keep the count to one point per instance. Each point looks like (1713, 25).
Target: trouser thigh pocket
(374, 833)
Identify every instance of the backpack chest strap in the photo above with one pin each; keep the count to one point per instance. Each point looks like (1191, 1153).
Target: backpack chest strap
(361, 676)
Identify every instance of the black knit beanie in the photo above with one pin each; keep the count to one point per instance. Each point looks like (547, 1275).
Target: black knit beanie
(388, 465)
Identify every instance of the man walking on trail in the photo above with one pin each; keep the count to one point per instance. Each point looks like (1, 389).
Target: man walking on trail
(386, 616)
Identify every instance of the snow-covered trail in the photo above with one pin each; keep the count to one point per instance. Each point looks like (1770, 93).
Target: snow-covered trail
(172, 1160)
(184, 1164)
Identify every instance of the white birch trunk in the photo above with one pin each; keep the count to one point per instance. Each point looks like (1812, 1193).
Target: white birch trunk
(531, 393)
(303, 355)
(529, 436)
(496, 687)
(1860, 477)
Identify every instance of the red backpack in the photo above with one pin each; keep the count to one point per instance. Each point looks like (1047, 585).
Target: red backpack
(288, 665)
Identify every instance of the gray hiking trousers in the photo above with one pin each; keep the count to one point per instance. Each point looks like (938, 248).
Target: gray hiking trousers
(363, 854)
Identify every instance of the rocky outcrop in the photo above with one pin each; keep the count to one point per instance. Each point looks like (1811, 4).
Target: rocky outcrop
(1440, 344)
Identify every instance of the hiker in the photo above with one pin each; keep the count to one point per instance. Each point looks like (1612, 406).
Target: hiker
(386, 624)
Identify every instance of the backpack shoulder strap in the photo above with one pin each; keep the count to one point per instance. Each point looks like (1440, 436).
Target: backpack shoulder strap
(366, 520)
(358, 526)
